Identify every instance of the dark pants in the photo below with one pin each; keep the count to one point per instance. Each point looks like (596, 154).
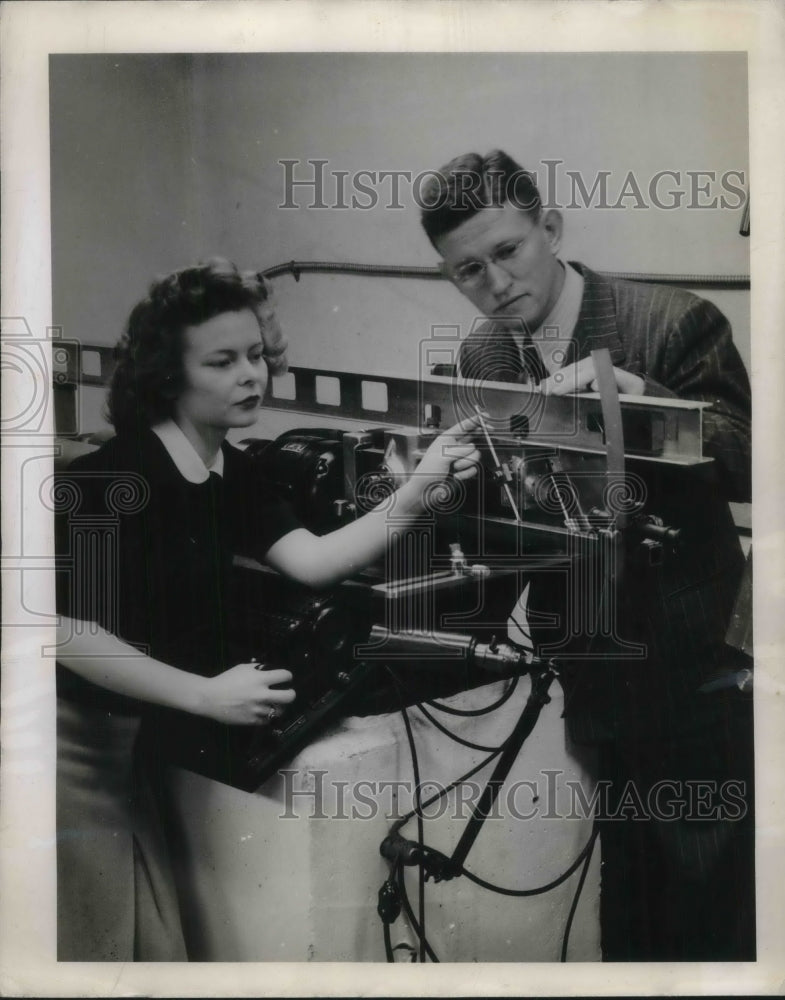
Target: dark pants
(681, 889)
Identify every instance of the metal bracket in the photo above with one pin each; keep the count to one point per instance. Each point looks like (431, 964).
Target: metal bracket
(655, 430)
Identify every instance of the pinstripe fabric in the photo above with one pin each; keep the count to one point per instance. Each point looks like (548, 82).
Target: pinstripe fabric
(671, 890)
(680, 344)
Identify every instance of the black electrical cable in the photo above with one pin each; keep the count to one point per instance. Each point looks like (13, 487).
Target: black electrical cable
(421, 880)
(418, 811)
(400, 823)
(577, 896)
(525, 632)
(464, 712)
(467, 712)
(584, 856)
(400, 686)
(418, 925)
(404, 946)
(453, 736)
(388, 951)
(503, 891)
(411, 917)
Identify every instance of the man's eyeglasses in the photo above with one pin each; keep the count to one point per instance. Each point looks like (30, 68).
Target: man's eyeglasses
(474, 273)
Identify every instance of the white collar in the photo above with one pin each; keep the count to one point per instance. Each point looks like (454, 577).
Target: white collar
(566, 309)
(184, 455)
(558, 327)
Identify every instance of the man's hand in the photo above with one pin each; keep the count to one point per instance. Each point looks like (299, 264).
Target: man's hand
(581, 375)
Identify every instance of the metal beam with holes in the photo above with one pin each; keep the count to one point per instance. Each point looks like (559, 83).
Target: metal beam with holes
(661, 430)
(658, 430)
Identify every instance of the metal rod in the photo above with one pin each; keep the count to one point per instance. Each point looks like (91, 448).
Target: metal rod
(299, 267)
(505, 485)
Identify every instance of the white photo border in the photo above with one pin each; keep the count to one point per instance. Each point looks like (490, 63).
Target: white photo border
(33, 30)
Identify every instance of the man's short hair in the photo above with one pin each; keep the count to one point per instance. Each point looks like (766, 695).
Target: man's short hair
(470, 183)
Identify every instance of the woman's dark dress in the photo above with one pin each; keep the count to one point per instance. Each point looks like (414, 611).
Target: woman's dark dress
(146, 554)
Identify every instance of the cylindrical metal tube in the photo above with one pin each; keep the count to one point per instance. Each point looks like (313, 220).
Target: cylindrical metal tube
(495, 656)
(419, 643)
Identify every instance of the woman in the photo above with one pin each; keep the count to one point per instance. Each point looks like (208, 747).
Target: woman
(148, 525)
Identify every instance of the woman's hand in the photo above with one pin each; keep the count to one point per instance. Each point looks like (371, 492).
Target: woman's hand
(452, 454)
(322, 560)
(244, 695)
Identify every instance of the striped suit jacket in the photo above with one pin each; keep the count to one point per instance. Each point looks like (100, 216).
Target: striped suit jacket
(681, 345)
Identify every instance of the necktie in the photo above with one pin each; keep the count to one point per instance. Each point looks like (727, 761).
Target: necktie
(531, 362)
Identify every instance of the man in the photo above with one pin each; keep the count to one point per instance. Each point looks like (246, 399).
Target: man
(679, 889)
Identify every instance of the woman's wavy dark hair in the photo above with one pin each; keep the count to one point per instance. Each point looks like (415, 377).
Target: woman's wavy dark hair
(149, 372)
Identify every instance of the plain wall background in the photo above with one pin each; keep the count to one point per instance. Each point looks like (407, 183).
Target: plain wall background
(161, 160)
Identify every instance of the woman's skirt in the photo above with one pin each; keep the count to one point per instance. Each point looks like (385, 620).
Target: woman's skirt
(116, 900)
